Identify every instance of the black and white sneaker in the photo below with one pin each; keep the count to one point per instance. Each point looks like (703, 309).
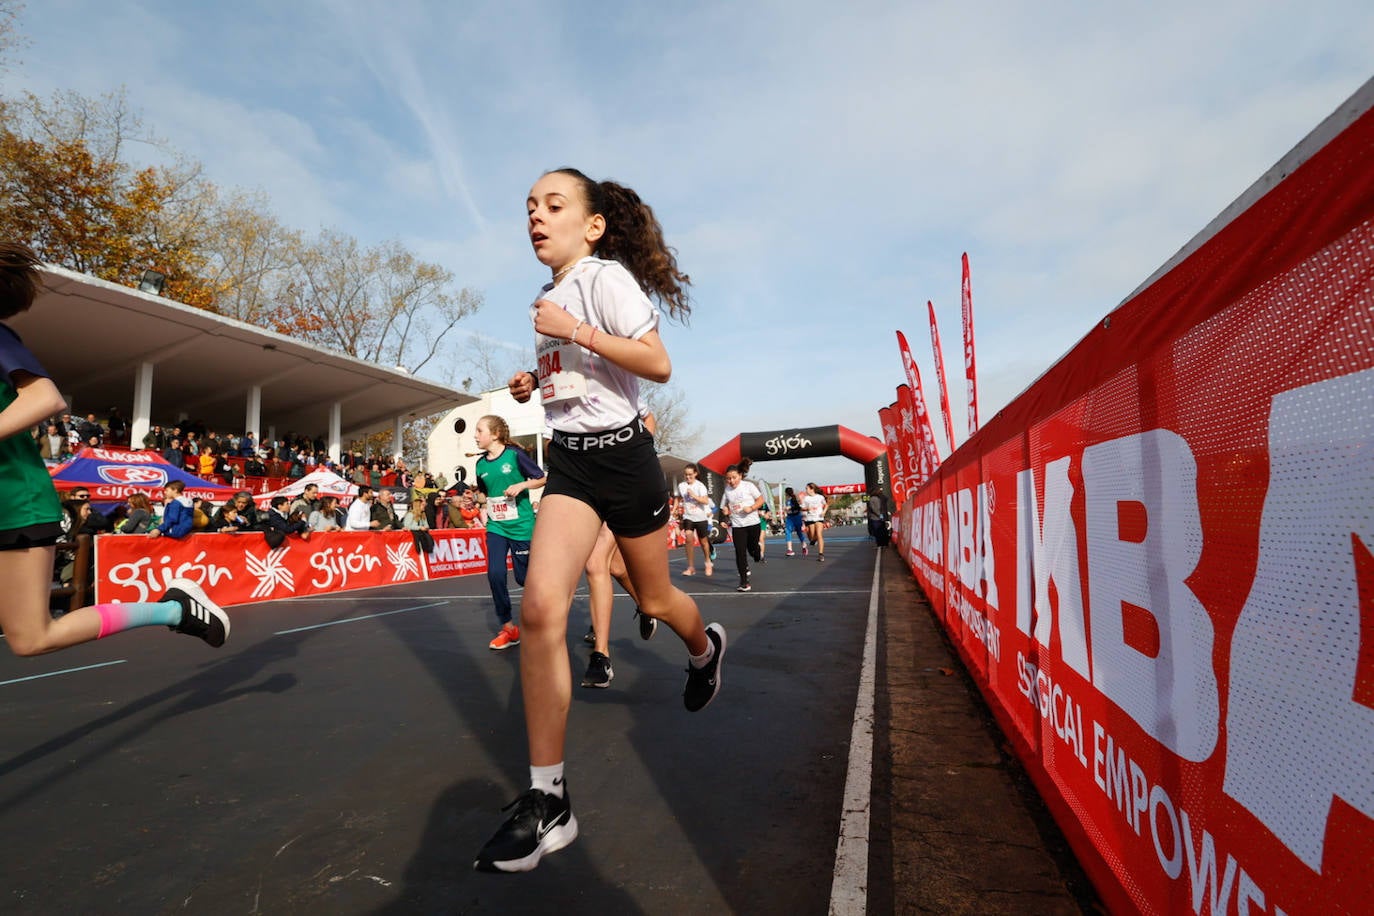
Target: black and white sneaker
(746, 587)
(703, 683)
(599, 671)
(200, 616)
(647, 625)
(539, 823)
(590, 636)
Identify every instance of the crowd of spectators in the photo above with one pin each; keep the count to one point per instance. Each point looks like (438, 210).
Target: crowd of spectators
(396, 498)
(390, 495)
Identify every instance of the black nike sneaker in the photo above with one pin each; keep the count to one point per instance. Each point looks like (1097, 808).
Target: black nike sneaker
(647, 624)
(539, 823)
(703, 683)
(599, 671)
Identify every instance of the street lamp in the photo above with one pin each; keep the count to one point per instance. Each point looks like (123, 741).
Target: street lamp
(150, 281)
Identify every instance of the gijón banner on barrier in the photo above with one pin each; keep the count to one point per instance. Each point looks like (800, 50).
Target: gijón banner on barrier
(242, 568)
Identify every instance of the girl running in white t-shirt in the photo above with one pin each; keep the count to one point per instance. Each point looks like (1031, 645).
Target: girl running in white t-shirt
(596, 336)
(741, 503)
(696, 519)
(813, 514)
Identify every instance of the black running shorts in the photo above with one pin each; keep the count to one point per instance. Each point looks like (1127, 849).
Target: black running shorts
(44, 535)
(702, 528)
(616, 473)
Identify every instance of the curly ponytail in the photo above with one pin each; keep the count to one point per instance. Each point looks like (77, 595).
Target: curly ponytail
(634, 237)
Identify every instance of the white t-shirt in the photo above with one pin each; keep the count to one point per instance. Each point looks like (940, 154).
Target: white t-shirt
(359, 516)
(741, 500)
(692, 510)
(583, 393)
(813, 507)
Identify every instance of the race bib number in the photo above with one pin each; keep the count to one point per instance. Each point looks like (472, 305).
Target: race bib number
(560, 372)
(502, 509)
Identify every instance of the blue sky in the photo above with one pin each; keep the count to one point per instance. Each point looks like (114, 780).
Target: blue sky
(820, 167)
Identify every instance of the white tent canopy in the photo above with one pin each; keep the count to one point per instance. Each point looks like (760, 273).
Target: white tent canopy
(330, 484)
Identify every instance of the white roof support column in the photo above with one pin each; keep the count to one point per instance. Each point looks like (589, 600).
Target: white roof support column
(335, 431)
(398, 440)
(252, 417)
(143, 405)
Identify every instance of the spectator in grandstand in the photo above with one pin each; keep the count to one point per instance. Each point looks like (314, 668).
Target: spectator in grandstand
(471, 506)
(139, 517)
(177, 509)
(421, 486)
(415, 518)
(119, 427)
(360, 510)
(173, 453)
(276, 468)
(243, 502)
(279, 518)
(435, 509)
(89, 429)
(94, 521)
(225, 472)
(328, 516)
(201, 512)
(253, 466)
(307, 501)
(52, 445)
(227, 520)
(205, 462)
(83, 518)
(154, 439)
(248, 445)
(383, 512)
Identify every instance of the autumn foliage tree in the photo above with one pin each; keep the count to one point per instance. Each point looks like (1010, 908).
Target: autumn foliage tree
(66, 191)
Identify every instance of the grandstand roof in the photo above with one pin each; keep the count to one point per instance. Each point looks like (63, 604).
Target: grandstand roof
(92, 336)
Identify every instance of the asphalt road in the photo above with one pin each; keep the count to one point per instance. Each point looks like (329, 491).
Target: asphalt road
(350, 754)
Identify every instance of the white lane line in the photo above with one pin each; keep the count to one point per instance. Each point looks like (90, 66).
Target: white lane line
(34, 677)
(849, 888)
(334, 623)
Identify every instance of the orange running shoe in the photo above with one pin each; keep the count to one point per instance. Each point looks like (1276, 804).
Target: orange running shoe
(509, 636)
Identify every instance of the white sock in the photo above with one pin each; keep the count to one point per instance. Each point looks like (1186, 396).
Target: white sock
(704, 659)
(548, 779)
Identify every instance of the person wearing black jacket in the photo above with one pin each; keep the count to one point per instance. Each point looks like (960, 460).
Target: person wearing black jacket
(277, 524)
(243, 501)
